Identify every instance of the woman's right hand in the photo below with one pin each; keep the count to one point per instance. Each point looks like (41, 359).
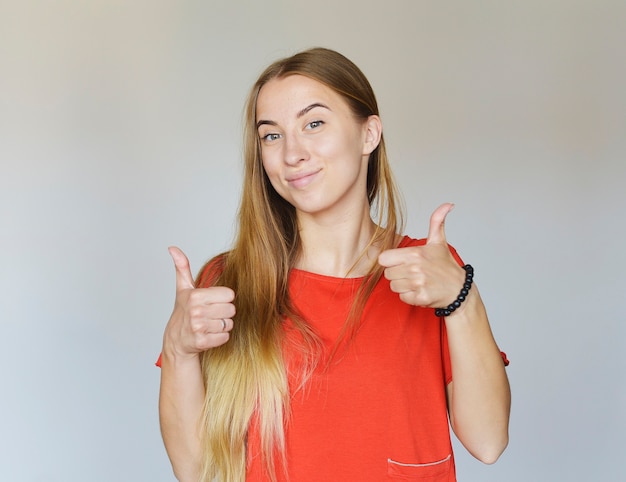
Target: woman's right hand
(202, 317)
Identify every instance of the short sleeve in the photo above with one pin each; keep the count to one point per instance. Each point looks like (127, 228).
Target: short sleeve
(445, 354)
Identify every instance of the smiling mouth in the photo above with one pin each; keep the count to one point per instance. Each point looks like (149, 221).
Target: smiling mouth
(302, 179)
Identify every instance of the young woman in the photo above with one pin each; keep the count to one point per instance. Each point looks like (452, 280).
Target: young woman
(312, 350)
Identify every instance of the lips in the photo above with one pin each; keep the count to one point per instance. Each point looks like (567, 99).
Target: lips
(302, 179)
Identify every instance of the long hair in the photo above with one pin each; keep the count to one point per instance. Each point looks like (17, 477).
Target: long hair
(246, 378)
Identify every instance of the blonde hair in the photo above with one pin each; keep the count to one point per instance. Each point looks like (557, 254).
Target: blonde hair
(246, 378)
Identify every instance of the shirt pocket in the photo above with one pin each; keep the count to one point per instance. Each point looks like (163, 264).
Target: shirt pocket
(438, 471)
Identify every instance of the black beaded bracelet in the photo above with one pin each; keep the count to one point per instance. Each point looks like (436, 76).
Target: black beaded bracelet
(469, 278)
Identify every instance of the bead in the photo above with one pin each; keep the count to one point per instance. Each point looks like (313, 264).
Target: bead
(467, 285)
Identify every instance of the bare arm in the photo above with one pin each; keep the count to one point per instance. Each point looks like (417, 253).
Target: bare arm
(180, 403)
(201, 320)
(479, 398)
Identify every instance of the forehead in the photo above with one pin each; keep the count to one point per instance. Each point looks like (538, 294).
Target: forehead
(289, 95)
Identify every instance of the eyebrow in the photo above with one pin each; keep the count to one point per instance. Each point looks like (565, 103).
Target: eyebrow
(298, 115)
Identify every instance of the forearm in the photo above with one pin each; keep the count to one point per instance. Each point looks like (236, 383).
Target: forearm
(180, 404)
(479, 396)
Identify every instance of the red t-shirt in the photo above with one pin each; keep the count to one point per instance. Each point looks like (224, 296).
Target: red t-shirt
(379, 412)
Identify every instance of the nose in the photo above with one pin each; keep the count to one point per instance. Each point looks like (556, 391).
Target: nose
(295, 150)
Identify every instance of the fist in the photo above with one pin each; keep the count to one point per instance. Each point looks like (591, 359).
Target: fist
(425, 275)
(202, 317)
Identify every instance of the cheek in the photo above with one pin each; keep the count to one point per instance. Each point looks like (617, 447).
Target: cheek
(272, 172)
(330, 147)
(269, 163)
(347, 145)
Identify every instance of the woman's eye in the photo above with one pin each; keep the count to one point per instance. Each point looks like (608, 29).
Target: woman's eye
(270, 137)
(314, 124)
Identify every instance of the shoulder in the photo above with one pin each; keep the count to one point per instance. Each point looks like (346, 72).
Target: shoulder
(407, 241)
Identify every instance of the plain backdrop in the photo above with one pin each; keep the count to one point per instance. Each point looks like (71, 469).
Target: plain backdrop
(120, 126)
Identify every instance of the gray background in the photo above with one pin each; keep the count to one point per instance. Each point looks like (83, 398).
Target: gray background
(120, 135)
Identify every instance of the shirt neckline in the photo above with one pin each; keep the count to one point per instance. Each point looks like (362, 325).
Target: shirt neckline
(404, 241)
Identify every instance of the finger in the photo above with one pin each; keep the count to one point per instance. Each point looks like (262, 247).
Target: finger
(217, 296)
(212, 340)
(223, 325)
(436, 230)
(184, 278)
(399, 256)
(391, 257)
(228, 324)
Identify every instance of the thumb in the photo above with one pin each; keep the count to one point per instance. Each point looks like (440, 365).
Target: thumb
(184, 278)
(436, 230)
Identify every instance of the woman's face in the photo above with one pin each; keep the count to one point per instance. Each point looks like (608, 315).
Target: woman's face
(314, 151)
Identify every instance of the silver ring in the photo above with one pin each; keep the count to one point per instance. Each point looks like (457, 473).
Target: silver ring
(223, 324)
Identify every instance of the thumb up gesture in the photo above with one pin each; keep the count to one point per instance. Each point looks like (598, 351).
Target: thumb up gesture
(425, 275)
(202, 317)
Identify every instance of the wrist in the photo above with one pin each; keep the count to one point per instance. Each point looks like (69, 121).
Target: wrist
(175, 356)
(463, 294)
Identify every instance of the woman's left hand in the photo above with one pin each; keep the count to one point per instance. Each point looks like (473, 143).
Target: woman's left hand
(425, 275)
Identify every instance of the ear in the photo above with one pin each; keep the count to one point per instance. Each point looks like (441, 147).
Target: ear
(373, 129)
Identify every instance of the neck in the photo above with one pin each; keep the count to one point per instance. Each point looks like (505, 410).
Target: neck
(339, 246)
